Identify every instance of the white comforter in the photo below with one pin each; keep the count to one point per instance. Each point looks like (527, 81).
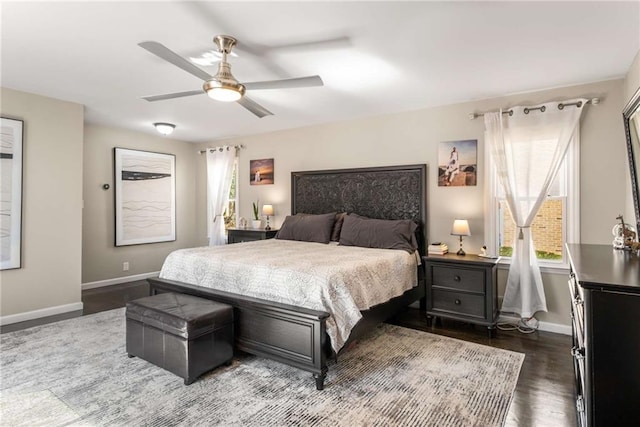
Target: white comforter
(341, 280)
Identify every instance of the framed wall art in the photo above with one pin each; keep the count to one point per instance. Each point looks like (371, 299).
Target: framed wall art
(261, 172)
(145, 193)
(11, 142)
(458, 163)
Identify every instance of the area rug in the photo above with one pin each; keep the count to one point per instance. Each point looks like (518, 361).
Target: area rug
(76, 373)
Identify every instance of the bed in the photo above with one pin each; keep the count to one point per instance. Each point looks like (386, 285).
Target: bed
(298, 336)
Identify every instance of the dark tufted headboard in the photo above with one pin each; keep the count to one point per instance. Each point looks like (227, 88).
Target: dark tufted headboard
(390, 192)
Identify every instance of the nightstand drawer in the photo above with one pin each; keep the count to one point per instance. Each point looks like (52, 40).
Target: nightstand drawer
(458, 303)
(455, 277)
(239, 235)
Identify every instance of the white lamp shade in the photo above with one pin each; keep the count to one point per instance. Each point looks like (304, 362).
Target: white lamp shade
(460, 228)
(267, 210)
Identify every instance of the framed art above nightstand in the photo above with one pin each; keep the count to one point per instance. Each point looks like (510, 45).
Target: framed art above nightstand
(238, 235)
(462, 288)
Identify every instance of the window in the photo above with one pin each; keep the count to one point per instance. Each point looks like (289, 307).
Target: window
(230, 214)
(556, 223)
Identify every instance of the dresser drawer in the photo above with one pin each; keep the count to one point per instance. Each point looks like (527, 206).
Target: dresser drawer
(455, 277)
(458, 303)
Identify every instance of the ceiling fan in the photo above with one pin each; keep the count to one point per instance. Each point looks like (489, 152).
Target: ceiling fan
(223, 86)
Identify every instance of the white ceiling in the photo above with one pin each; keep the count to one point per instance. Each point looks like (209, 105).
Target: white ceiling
(394, 56)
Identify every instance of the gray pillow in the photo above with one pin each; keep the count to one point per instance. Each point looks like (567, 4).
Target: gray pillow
(337, 227)
(307, 228)
(378, 233)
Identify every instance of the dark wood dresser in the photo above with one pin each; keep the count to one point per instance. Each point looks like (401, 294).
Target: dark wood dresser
(462, 288)
(238, 235)
(605, 309)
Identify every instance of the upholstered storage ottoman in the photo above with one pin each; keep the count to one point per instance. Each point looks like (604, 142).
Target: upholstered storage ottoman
(183, 334)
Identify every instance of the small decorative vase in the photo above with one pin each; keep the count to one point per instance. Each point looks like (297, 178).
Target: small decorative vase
(242, 223)
(256, 223)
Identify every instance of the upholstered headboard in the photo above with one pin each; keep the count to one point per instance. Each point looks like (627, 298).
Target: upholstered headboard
(390, 192)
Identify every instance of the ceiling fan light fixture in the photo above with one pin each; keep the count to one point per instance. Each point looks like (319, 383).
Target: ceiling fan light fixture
(223, 91)
(164, 128)
(223, 86)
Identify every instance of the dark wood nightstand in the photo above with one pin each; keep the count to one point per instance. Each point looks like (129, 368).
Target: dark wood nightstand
(238, 235)
(463, 288)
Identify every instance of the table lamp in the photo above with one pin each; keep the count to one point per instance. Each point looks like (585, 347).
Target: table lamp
(267, 210)
(460, 228)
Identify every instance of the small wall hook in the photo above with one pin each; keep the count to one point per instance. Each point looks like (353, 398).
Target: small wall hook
(105, 186)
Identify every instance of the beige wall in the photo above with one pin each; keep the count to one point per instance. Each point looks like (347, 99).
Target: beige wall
(52, 205)
(632, 81)
(413, 137)
(101, 260)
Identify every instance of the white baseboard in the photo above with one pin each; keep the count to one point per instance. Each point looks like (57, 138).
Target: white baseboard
(43, 312)
(556, 328)
(118, 280)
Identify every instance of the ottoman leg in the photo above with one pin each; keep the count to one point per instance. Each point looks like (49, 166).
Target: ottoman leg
(189, 381)
(130, 356)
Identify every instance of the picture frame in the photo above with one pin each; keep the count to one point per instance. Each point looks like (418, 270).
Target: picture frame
(261, 172)
(145, 197)
(11, 158)
(458, 163)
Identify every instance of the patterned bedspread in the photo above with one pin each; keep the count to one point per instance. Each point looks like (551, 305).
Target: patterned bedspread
(341, 280)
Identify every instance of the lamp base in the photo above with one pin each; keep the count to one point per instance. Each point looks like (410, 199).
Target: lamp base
(267, 227)
(461, 252)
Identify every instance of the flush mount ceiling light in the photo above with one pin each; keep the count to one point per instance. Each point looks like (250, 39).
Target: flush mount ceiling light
(223, 86)
(165, 128)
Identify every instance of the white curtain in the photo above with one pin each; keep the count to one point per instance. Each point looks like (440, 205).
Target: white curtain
(219, 173)
(527, 149)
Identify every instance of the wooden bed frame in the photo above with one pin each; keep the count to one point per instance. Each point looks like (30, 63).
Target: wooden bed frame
(297, 336)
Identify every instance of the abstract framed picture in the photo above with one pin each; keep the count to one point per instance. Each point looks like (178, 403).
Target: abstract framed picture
(261, 172)
(11, 142)
(458, 163)
(145, 197)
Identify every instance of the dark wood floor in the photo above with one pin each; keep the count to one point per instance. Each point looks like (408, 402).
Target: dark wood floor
(544, 394)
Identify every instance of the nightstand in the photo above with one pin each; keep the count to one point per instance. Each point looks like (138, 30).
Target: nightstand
(238, 235)
(462, 288)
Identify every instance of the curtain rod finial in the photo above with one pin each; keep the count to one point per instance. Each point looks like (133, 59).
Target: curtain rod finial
(472, 116)
(595, 101)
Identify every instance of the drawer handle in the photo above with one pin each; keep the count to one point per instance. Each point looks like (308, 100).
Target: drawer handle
(458, 302)
(456, 278)
(578, 353)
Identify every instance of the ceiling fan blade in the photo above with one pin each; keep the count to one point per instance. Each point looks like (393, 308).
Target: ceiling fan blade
(285, 83)
(154, 98)
(170, 56)
(331, 43)
(206, 13)
(254, 107)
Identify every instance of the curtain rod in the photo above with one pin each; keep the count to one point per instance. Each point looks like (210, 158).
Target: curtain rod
(237, 147)
(594, 101)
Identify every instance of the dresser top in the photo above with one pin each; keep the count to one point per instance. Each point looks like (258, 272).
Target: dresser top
(602, 267)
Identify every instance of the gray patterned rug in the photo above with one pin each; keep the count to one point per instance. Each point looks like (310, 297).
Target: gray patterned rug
(76, 372)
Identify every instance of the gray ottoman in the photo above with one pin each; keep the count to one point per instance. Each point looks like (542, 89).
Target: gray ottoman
(183, 334)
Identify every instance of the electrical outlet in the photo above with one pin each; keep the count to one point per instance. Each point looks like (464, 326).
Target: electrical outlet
(125, 266)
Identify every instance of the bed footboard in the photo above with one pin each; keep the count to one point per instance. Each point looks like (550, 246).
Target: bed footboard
(292, 335)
